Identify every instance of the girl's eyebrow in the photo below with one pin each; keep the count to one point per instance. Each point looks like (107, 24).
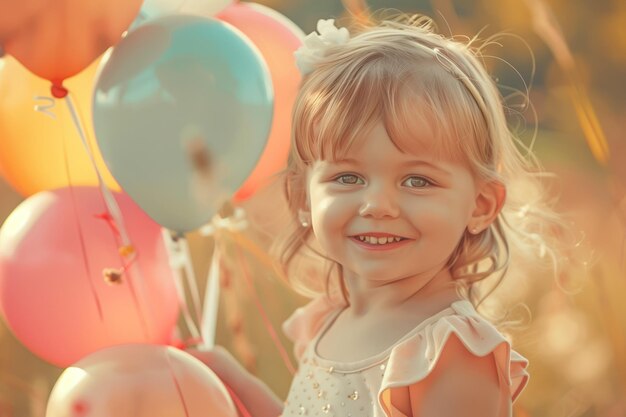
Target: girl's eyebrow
(405, 165)
(344, 161)
(422, 163)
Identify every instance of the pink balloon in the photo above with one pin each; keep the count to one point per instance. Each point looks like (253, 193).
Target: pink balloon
(139, 381)
(277, 38)
(53, 292)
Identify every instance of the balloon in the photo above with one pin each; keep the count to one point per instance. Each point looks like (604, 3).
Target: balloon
(139, 381)
(277, 38)
(182, 110)
(59, 290)
(64, 36)
(152, 9)
(21, 11)
(32, 143)
(205, 7)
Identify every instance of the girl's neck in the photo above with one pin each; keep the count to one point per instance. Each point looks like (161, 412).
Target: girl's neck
(366, 298)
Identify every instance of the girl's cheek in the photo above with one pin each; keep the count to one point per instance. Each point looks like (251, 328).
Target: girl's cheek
(329, 201)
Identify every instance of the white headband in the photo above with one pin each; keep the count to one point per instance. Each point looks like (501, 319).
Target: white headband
(315, 46)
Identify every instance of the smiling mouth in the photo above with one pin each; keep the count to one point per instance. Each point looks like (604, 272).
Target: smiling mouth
(378, 240)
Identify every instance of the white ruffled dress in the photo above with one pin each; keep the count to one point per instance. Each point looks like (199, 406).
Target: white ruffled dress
(363, 388)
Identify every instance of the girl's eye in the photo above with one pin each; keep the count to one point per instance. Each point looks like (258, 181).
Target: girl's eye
(416, 182)
(350, 179)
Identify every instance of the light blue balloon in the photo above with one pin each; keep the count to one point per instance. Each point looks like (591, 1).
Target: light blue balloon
(182, 110)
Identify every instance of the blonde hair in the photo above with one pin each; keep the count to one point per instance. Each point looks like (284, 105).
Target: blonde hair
(382, 73)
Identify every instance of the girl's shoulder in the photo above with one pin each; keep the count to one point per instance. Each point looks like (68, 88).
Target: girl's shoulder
(416, 359)
(304, 324)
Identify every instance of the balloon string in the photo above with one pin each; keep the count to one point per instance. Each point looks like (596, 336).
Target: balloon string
(268, 323)
(258, 253)
(238, 403)
(109, 220)
(112, 206)
(106, 217)
(211, 300)
(126, 251)
(180, 289)
(190, 276)
(46, 107)
(79, 227)
(175, 255)
(210, 309)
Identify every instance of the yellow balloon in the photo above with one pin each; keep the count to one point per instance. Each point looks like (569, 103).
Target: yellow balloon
(39, 152)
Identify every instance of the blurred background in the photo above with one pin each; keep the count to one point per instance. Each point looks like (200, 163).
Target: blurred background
(572, 55)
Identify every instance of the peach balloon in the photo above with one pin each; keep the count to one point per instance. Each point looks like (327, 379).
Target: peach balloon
(139, 381)
(21, 11)
(277, 38)
(65, 36)
(63, 290)
(32, 158)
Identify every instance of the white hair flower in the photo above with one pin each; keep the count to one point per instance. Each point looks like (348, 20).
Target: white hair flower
(314, 47)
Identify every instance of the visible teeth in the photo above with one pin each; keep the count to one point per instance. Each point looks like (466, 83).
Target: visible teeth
(372, 240)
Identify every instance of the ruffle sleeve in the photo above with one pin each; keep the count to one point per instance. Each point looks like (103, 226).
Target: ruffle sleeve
(302, 326)
(412, 360)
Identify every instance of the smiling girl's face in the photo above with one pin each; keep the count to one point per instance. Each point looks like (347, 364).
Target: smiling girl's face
(384, 214)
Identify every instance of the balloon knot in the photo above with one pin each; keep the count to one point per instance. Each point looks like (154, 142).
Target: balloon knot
(57, 90)
(177, 343)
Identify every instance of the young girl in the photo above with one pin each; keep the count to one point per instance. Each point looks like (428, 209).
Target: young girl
(405, 176)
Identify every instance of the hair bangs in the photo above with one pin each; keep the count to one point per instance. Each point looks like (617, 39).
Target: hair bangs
(423, 104)
(338, 107)
(433, 112)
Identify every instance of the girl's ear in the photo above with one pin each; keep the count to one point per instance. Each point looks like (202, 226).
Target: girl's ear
(304, 217)
(489, 202)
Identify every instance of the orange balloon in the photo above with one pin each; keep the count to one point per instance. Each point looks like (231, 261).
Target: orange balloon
(277, 38)
(20, 12)
(31, 142)
(65, 36)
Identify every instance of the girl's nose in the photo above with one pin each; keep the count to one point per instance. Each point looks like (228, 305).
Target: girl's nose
(379, 204)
